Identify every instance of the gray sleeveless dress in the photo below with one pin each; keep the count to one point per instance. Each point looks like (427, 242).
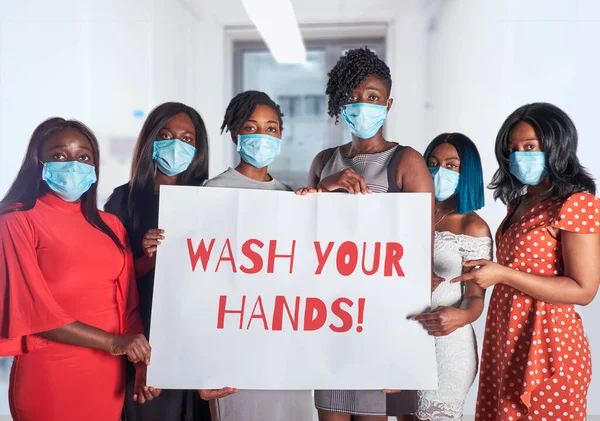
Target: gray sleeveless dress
(379, 171)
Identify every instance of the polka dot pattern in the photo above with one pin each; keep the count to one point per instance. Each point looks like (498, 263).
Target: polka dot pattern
(536, 362)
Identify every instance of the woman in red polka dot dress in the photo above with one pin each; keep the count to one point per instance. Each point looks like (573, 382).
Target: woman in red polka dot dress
(536, 362)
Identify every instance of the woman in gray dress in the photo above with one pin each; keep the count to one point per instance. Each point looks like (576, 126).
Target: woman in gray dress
(255, 123)
(359, 89)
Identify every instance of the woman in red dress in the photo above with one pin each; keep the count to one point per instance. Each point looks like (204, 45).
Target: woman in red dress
(70, 306)
(536, 362)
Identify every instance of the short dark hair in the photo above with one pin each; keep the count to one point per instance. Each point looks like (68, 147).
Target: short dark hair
(143, 169)
(469, 196)
(349, 72)
(242, 106)
(555, 129)
(27, 187)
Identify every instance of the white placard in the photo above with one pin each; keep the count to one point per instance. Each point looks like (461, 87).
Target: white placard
(333, 316)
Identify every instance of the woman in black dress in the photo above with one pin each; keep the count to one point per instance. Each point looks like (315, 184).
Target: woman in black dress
(172, 149)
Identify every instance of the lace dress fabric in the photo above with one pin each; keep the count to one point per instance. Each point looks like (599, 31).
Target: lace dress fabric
(457, 352)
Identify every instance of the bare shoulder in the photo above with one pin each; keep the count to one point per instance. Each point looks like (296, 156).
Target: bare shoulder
(412, 174)
(411, 156)
(410, 162)
(475, 226)
(319, 157)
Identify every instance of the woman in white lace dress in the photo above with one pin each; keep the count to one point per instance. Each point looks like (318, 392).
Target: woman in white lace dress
(460, 235)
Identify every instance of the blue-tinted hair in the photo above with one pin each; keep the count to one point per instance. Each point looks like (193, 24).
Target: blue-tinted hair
(469, 196)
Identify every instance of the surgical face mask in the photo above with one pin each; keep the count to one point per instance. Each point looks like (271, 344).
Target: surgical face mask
(364, 120)
(258, 150)
(173, 156)
(445, 182)
(528, 167)
(69, 180)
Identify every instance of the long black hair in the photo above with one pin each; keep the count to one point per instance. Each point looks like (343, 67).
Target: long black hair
(469, 196)
(555, 129)
(349, 72)
(28, 184)
(242, 106)
(143, 168)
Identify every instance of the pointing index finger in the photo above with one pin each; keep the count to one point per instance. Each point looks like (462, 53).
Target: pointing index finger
(425, 316)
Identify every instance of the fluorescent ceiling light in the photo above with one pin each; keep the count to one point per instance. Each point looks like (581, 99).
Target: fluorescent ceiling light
(277, 25)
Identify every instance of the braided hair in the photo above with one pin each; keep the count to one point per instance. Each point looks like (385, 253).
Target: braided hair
(349, 72)
(242, 106)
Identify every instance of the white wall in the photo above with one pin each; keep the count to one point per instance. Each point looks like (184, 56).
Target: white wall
(98, 61)
(486, 58)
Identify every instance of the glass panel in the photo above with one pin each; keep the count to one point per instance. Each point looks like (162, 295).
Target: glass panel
(300, 91)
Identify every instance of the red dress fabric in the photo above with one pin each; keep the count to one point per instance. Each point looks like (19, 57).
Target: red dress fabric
(536, 362)
(55, 268)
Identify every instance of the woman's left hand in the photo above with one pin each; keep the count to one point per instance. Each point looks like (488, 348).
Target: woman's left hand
(141, 391)
(303, 191)
(484, 273)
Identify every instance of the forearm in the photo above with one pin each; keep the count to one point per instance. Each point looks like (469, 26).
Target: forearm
(472, 308)
(550, 289)
(143, 265)
(80, 334)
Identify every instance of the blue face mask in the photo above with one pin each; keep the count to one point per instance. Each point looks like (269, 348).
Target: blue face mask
(173, 156)
(69, 180)
(528, 167)
(445, 182)
(364, 120)
(258, 150)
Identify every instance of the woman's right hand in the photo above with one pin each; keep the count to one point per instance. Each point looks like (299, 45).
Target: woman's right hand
(136, 347)
(210, 394)
(151, 241)
(347, 180)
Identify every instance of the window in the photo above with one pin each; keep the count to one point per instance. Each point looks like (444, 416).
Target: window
(300, 91)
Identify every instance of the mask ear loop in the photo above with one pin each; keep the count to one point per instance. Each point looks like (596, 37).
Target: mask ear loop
(40, 178)
(41, 170)
(153, 161)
